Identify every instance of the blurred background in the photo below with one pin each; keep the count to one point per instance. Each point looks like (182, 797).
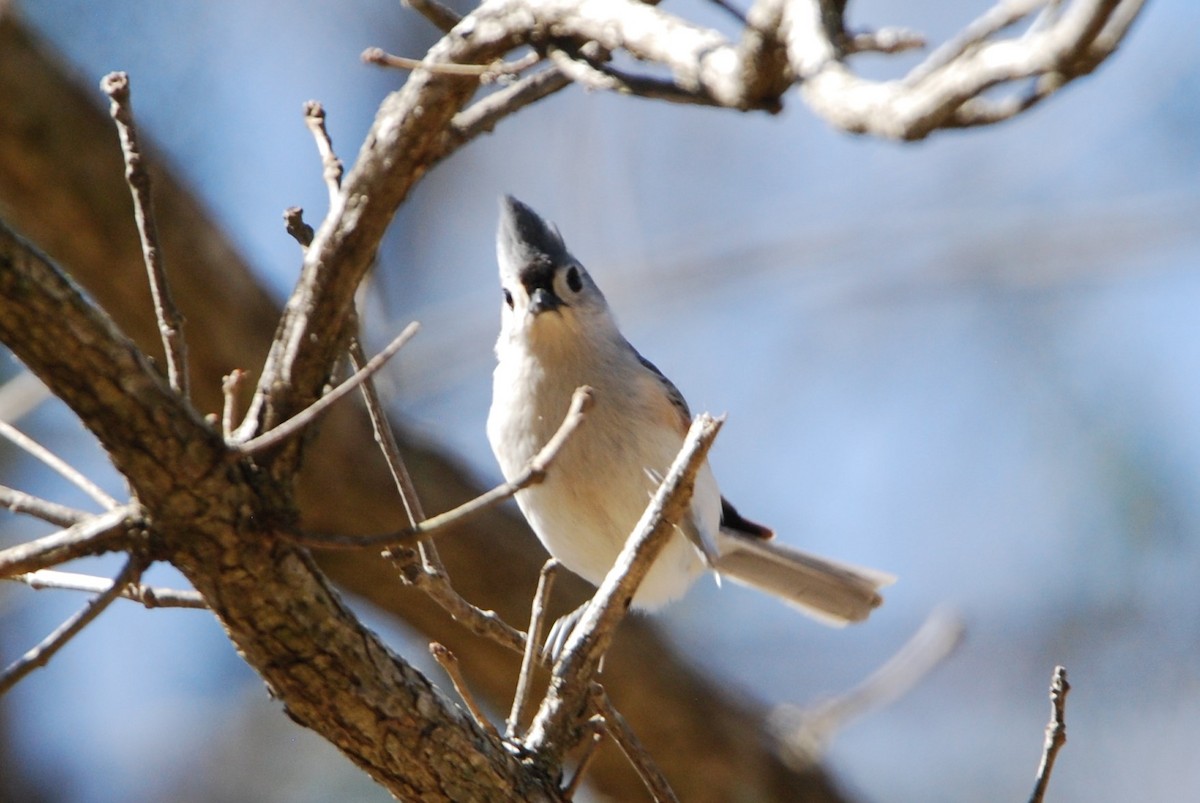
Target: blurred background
(972, 361)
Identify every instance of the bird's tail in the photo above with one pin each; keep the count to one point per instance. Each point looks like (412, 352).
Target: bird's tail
(835, 593)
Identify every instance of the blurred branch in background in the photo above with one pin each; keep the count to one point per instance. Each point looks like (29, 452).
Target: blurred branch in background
(62, 185)
(418, 126)
(804, 733)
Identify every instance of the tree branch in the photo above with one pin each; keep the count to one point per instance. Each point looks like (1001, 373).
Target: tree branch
(550, 735)
(102, 533)
(149, 596)
(170, 322)
(46, 649)
(533, 474)
(1056, 732)
(331, 165)
(21, 502)
(287, 429)
(62, 467)
(273, 602)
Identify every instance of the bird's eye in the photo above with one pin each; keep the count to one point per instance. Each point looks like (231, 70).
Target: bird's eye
(508, 298)
(573, 280)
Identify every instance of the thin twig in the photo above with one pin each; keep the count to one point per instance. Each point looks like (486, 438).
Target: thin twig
(425, 570)
(55, 462)
(293, 221)
(610, 79)
(804, 732)
(981, 111)
(149, 596)
(45, 650)
(449, 662)
(991, 22)
(1056, 732)
(21, 502)
(441, 16)
(89, 537)
(231, 383)
(376, 55)
(597, 725)
(533, 474)
(483, 116)
(314, 118)
(386, 439)
(591, 636)
(533, 641)
(302, 419)
(424, 567)
(637, 755)
(487, 73)
(170, 321)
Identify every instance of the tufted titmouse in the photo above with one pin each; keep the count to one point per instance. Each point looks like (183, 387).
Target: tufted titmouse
(556, 334)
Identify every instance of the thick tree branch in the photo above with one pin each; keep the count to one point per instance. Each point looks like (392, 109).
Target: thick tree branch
(233, 506)
(331, 673)
(61, 181)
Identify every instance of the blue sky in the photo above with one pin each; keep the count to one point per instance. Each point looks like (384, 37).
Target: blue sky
(972, 361)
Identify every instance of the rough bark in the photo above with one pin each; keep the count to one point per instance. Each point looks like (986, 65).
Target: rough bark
(61, 185)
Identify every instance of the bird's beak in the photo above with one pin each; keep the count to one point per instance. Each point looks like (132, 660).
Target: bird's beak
(543, 300)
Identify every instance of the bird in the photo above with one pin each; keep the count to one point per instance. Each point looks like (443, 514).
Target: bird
(557, 333)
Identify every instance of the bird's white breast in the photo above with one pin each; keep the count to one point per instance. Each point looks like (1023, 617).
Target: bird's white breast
(603, 478)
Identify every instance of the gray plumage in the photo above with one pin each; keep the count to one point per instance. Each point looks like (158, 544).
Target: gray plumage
(557, 333)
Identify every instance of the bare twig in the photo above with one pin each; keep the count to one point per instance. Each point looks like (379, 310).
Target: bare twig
(314, 118)
(302, 419)
(170, 321)
(591, 636)
(441, 16)
(94, 535)
(991, 22)
(605, 78)
(483, 116)
(68, 473)
(149, 596)
(293, 221)
(45, 650)
(386, 439)
(424, 569)
(804, 732)
(231, 383)
(533, 641)
(485, 72)
(597, 725)
(637, 755)
(449, 662)
(21, 502)
(533, 474)
(1056, 732)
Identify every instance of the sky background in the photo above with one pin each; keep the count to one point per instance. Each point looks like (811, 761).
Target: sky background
(973, 362)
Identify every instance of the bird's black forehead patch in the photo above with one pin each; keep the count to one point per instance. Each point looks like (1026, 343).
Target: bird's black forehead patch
(538, 273)
(532, 244)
